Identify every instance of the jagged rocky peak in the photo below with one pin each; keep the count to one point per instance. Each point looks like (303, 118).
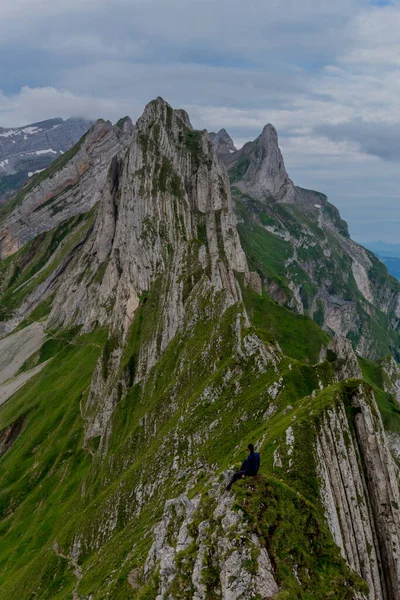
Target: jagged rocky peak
(165, 215)
(183, 116)
(159, 110)
(166, 208)
(258, 168)
(223, 142)
(71, 185)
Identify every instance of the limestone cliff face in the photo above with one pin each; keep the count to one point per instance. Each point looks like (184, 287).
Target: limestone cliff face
(71, 185)
(325, 273)
(165, 214)
(258, 167)
(166, 204)
(359, 488)
(392, 380)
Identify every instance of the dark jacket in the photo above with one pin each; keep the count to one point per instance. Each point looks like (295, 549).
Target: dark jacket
(252, 464)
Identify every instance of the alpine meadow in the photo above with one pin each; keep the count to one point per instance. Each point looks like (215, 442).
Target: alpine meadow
(165, 300)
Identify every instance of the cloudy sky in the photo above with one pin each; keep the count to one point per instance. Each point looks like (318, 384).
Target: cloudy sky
(326, 74)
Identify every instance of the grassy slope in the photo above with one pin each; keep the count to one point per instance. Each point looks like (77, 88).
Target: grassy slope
(19, 273)
(388, 405)
(298, 335)
(41, 495)
(42, 473)
(267, 254)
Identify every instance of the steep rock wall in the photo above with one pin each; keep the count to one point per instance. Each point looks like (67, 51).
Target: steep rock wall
(359, 489)
(191, 543)
(72, 185)
(165, 219)
(165, 204)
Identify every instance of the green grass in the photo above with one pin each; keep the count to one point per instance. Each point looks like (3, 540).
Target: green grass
(43, 471)
(388, 405)
(266, 253)
(296, 537)
(185, 393)
(298, 335)
(18, 271)
(239, 170)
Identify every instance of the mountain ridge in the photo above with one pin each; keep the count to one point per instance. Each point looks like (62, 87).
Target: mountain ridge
(58, 193)
(176, 332)
(335, 279)
(29, 149)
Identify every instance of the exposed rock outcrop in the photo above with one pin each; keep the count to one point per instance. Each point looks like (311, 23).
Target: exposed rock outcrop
(223, 142)
(189, 545)
(340, 352)
(258, 167)
(72, 185)
(10, 434)
(17, 348)
(360, 493)
(392, 381)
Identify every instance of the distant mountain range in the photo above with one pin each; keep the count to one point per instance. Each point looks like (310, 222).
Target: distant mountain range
(384, 248)
(25, 151)
(389, 254)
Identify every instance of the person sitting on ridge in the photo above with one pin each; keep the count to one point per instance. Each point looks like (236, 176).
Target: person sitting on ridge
(249, 468)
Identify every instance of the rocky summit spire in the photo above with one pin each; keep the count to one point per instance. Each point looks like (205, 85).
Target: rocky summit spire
(223, 142)
(165, 216)
(169, 190)
(259, 168)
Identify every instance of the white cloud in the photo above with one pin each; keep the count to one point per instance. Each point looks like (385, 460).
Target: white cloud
(36, 104)
(324, 73)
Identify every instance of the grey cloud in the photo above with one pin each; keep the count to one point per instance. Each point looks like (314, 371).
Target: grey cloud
(231, 64)
(124, 88)
(225, 32)
(375, 138)
(189, 84)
